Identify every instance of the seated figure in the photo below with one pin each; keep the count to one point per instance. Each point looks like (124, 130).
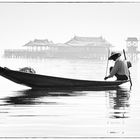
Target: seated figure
(120, 69)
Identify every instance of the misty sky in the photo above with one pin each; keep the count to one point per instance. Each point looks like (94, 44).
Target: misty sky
(59, 22)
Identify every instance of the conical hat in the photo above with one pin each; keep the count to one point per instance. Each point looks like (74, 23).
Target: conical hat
(114, 55)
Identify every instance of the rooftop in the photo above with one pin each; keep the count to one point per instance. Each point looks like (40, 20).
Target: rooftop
(39, 42)
(90, 41)
(75, 41)
(132, 39)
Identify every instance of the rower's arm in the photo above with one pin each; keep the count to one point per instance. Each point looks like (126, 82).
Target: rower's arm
(114, 70)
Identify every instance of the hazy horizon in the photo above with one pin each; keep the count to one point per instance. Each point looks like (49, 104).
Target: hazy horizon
(59, 22)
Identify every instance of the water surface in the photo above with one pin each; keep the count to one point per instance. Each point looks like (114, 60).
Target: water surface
(26, 112)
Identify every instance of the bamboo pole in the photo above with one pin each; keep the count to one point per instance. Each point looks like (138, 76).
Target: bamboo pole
(129, 71)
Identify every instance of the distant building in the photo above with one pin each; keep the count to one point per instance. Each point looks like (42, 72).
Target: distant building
(77, 47)
(88, 41)
(38, 44)
(93, 47)
(132, 47)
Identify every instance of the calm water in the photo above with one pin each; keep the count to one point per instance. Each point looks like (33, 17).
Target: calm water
(40, 113)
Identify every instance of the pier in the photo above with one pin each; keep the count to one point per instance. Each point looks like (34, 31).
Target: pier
(95, 48)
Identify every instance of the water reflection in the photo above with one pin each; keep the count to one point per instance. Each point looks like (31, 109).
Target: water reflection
(52, 99)
(118, 110)
(31, 96)
(119, 102)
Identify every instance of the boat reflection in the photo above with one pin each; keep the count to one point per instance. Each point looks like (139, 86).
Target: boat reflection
(31, 96)
(119, 103)
(118, 110)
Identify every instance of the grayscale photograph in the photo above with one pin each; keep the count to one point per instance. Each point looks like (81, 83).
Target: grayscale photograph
(69, 69)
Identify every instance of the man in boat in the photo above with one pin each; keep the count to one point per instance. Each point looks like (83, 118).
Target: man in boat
(120, 69)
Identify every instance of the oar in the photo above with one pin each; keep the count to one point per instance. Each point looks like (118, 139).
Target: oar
(129, 71)
(107, 62)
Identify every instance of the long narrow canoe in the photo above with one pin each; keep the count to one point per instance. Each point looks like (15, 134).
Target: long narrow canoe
(42, 81)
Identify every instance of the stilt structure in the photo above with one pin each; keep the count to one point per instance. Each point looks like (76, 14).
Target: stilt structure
(132, 48)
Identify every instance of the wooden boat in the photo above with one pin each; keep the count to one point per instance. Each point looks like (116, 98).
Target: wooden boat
(42, 81)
